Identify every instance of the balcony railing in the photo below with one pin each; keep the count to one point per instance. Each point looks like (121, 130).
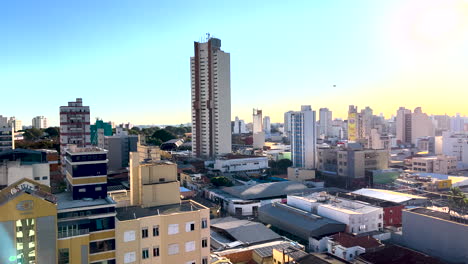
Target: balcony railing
(72, 233)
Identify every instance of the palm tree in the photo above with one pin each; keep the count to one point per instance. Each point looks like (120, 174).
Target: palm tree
(457, 199)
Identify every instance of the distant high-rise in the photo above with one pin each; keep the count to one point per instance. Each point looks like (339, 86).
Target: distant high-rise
(267, 125)
(303, 138)
(74, 127)
(403, 125)
(287, 124)
(239, 126)
(353, 123)
(257, 121)
(39, 122)
(211, 99)
(421, 125)
(15, 124)
(325, 121)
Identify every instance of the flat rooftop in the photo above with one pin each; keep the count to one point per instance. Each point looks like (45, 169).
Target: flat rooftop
(135, 212)
(236, 156)
(65, 201)
(439, 214)
(387, 195)
(81, 150)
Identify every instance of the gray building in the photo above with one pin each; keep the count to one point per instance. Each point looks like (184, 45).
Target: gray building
(436, 233)
(7, 138)
(302, 225)
(119, 148)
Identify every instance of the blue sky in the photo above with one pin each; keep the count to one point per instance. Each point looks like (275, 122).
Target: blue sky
(129, 60)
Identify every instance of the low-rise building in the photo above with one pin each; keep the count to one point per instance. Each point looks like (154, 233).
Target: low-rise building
(348, 247)
(434, 164)
(23, 163)
(392, 196)
(298, 224)
(436, 233)
(241, 163)
(245, 200)
(358, 216)
(300, 174)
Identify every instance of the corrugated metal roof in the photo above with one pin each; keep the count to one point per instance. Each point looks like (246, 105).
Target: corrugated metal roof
(245, 231)
(387, 195)
(265, 190)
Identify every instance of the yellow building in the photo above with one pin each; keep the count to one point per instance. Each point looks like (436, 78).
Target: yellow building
(158, 227)
(287, 255)
(28, 223)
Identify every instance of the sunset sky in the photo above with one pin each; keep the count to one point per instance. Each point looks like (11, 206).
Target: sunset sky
(129, 60)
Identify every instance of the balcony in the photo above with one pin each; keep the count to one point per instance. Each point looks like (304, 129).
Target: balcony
(72, 233)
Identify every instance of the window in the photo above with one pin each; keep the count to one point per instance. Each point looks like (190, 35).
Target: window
(189, 227)
(44, 177)
(63, 256)
(144, 232)
(156, 230)
(156, 251)
(145, 253)
(191, 262)
(129, 236)
(190, 246)
(101, 246)
(380, 216)
(99, 188)
(173, 249)
(204, 243)
(82, 190)
(173, 229)
(204, 260)
(129, 257)
(37, 178)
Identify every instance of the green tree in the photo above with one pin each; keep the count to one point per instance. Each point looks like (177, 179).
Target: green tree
(221, 181)
(163, 135)
(53, 132)
(32, 134)
(457, 199)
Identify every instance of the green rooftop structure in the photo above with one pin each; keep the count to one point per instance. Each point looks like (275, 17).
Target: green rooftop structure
(107, 127)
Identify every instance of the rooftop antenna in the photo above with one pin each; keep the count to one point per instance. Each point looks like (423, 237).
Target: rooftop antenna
(207, 36)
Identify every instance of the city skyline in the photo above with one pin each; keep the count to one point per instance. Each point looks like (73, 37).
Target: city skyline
(383, 55)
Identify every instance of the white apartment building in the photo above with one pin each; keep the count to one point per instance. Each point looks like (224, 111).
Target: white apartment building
(287, 124)
(237, 163)
(456, 144)
(239, 126)
(211, 99)
(325, 122)
(39, 122)
(358, 216)
(16, 124)
(403, 125)
(74, 127)
(303, 138)
(266, 125)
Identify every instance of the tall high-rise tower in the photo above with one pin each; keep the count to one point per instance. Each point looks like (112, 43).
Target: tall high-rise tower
(403, 125)
(74, 127)
(303, 138)
(211, 99)
(325, 122)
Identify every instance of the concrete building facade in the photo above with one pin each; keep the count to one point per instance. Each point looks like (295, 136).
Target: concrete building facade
(303, 138)
(211, 99)
(403, 126)
(325, 122)
(40, 122)
(74, 127)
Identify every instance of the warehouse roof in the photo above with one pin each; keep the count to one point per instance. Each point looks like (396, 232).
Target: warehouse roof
(387, 195)
(244, 231)
(265, 190)
(298, 222)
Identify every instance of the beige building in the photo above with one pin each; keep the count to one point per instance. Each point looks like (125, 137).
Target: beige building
(300, 174)
(158, 227)
(435, 164)
(421, 125)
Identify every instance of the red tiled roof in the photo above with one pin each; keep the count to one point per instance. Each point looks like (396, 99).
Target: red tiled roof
(347, 240)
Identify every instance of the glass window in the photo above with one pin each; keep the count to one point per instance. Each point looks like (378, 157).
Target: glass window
(145, 253)
(144, 232)
(156, 230)
(156, 252)
(63, 256)
(204, 223)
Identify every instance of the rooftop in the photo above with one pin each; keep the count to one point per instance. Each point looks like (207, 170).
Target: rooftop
(244, 231)
(238, 156)
(387, 195)
(348, 240)
(340, 204)
(135, 212)
(79, 150)
(368, 199)
(298, 222)
(65, 201)
(265, 190)
(396, 254)
(265, 252)
(323, 258)
(453, 217)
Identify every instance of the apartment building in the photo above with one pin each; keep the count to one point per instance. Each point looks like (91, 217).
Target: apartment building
(441, 164)
(40, 122)
(158, 227)
(28, 223)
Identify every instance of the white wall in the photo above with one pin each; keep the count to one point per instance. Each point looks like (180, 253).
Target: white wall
(247, 164)
(16, 172)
